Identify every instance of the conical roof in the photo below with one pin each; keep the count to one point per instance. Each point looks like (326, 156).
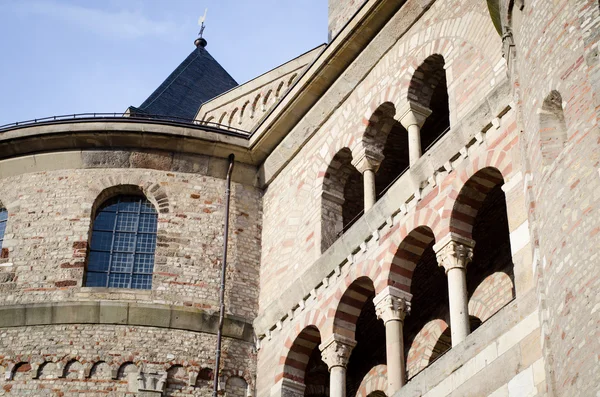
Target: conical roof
(196, 80)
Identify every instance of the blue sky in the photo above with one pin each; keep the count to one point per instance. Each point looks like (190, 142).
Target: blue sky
(62, 57)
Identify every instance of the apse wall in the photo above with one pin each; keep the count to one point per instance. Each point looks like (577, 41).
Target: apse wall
(51, 318)
(557, 81)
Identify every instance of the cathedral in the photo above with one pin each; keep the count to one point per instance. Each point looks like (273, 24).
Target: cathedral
(411, 209)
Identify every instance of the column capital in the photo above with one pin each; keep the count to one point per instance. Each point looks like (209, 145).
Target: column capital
(392, 304)
(335, 350)
(412, 113)
(367, 160)
(454, 251)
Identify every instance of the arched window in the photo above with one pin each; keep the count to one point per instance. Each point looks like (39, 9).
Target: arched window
(123, 244)
(3, 220)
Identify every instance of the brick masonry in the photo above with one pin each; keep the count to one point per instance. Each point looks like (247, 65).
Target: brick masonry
(522, 149)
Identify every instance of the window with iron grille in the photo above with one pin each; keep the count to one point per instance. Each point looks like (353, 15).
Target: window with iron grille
(123, 243)
(3, 219)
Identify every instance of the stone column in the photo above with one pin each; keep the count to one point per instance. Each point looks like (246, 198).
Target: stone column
(454, 253)
(335, 352)
(412, 117)
(368, 164)
(391, 306)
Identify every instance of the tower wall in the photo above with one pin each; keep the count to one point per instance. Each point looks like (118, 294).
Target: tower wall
(556, 61)
(51, 321)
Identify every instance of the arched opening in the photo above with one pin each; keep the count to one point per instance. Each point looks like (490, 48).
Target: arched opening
(480, 213)
(21, 371)
(343, 198)
(443, 344)
(204, 378)
(424, 326)
(374, 383)
(101, 371)
(128, 371)
(236, 387)
(553, 129)
(73, 370)
(304, 367)
(123, 242)
(48, 370)
(177, 380)
(428, 87)
(356, 315)
(386, 136)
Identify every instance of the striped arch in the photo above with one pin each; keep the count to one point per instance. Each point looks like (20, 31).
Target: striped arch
(406, 244)
(313, 319)
(446, 49)
(376, 131)
(493, 165)
(374, 384)
(299, 352)
(345, 142)
(425, 78)
(470, 198)
(223, 118)
(350, 305)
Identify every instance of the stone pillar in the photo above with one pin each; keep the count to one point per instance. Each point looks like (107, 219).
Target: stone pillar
(454, 253)
(391, 306)
(335, 352)
(368, 164)
(412, 117)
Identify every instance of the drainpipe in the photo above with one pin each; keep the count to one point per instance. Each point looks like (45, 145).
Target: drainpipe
(223, 272)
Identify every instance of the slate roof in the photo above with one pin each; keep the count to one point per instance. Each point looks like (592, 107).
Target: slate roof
(196, 80)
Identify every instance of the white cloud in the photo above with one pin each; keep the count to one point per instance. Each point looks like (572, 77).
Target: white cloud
(122, 24)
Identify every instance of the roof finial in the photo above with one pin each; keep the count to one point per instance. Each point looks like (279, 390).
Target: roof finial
(200, 41)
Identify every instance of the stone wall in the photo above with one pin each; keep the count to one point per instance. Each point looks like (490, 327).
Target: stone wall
(59, 336)
(48, 233)
(103, 360)
(556, 45)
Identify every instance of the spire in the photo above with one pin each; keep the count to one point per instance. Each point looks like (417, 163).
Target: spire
(200, 41)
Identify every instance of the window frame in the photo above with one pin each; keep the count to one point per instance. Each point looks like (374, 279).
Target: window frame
(143, 207)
